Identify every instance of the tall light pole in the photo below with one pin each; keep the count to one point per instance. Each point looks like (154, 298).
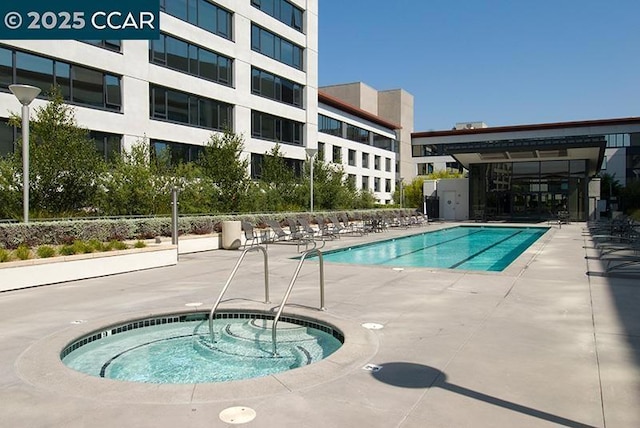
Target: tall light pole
(25, 94)
(312, 156)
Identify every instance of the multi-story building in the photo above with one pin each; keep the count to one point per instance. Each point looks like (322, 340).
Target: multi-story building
(248, 66)
(361, 143)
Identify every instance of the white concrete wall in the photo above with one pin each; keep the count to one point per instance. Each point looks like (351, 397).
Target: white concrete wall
(453, 194)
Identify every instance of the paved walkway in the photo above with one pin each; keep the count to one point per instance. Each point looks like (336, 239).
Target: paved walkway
(542, 344)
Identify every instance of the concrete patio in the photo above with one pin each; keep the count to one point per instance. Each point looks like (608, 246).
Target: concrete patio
(541, 344)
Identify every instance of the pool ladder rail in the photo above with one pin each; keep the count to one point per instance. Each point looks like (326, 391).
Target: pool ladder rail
(285, 299)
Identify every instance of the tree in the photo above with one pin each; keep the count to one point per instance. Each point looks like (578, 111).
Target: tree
(64, 164)
(413, 192)
(131, 187)
(279, 183)
(221, 162)
(10, 189)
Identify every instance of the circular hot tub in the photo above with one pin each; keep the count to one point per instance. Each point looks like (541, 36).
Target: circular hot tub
(181, 348)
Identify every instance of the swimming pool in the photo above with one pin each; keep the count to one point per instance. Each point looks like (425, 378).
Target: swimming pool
(177, 349)
(481, 248)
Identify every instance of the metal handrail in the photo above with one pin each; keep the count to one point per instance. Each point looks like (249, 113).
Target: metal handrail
(293, 280)
(233, 273)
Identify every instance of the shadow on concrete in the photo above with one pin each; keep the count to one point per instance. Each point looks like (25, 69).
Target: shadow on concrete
(411, 375)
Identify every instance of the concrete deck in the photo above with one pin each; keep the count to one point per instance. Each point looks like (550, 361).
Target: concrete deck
(541, 344)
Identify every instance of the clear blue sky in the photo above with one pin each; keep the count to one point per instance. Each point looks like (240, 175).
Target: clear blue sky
(504, 62)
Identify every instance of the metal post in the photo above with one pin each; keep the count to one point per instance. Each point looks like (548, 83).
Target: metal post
(312, 155)
(174, 216)
(25, 94)
(25, 162)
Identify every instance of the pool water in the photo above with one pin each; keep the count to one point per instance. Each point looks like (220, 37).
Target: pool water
(481, 248)
(181, 352)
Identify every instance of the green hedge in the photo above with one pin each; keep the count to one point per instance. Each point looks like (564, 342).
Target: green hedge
(67, 232)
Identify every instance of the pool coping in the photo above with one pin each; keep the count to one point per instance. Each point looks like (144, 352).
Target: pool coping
(40, 365)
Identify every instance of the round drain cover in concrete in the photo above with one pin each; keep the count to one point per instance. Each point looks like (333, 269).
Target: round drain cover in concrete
(237, 415)
(372, 326)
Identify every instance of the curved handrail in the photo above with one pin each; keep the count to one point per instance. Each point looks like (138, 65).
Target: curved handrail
(293, 280)
(233, 273)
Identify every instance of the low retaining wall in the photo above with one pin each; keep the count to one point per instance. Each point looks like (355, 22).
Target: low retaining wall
(31, 273)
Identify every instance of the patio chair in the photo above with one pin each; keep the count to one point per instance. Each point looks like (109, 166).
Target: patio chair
(326, 230)
(338, 227)
(250, 234)
(279, 233)
(297, 233)
(306, 226)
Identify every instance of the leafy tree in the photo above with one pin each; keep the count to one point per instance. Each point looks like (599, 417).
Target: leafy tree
(10, 189)
(413, 192)
(64, 164)
(279, 184)
(221, 162)
(131, 187)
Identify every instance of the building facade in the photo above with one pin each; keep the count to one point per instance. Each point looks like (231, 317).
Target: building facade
(530, 172)
(248, 66)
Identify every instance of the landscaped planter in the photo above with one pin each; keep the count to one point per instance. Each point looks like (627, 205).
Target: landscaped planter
(30, 273)
(197, 243)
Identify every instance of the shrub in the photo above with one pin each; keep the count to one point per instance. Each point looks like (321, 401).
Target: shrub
(23, 252)
(45, 251)
(67, 250)
(139, 244)
(118, 245)
(5, 255)
(97, 245)
(82, 247)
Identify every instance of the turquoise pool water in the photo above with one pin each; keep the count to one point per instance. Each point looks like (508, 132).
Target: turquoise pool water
(178, 349)
(483, 248)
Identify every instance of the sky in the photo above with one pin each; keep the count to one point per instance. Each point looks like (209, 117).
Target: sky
(503, 62)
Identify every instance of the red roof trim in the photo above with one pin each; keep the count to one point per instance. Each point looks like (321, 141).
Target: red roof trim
(532, 127)
(348, 108)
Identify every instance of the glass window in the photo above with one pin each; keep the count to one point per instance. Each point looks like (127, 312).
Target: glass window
(387, 164)
(7, 137)
(63, 79)
(269, 127)
(365, 182)
(208, 65)
(113, 99)
(6, 68)
(365, 160)
(190, 109)
(34, 70)
(191, 59)
(274, 87)
(208, 16)
(387, 185)
(177, 54)
(376, 162)
(329, 125)
(376, 184)
(177, 106)
(352, 157)
(224, 70)
(337, 154)
(88, 86)
(157, 49)
(282, 10)
(177, 8)
(275, 47)
(355, 133)
(202, 13)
